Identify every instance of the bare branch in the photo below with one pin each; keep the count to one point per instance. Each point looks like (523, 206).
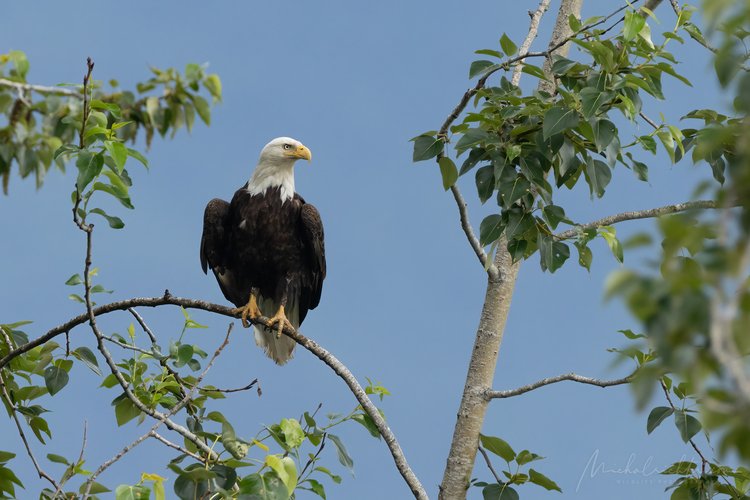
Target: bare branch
(159, 437)
(489, 464)
(143, 324)
(649, 120)
(466, 225)
(533, 29)
(13, 410)
(247, 387)
(642, 214)
(547, 381)
(41, 89)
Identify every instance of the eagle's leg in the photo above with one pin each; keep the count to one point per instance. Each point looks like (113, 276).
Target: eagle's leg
(280, 317)
(250, 309)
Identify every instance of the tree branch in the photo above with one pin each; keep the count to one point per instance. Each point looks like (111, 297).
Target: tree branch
(641, 214)
(533, 29)
(13, 410)
(489, 464)
(547, 381)
(466, 225)
(40, 88)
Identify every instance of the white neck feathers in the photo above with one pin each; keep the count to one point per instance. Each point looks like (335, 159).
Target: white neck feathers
(269, 174)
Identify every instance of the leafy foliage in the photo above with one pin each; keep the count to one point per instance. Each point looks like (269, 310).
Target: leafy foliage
(38, 132)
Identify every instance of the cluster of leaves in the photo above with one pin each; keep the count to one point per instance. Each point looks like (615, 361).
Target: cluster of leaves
(35, 130)
(278, 475)
(502, 490)
(569, 135)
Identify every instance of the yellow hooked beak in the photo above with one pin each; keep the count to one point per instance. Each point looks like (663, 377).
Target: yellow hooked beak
(302, 153)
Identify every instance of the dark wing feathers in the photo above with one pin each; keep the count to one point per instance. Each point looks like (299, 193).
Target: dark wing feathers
(312, 229)
(215, 235)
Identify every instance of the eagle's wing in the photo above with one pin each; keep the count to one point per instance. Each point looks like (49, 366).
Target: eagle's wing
(215, 239)
(312, 230)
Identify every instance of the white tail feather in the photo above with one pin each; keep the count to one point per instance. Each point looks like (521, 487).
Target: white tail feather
(279, 349)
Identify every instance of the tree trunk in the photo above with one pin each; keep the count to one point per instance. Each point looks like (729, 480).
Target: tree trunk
(479, 378)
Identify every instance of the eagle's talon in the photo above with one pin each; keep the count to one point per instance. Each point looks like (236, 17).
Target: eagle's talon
(250, 309)
(281, 319)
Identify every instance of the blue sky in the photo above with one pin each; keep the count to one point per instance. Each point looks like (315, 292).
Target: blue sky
(354, 82)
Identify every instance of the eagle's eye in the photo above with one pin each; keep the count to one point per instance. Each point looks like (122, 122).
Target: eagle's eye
(287, 146)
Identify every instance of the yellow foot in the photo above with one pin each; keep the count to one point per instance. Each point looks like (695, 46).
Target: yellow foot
(279, 318)
(250, 310)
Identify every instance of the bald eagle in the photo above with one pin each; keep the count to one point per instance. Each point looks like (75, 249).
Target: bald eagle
(266, 248)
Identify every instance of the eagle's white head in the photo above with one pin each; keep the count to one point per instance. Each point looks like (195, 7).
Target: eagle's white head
(276, 167)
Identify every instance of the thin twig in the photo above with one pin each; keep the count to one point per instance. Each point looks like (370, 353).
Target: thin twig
(13, 410)
(311, 460)
(143, 324)
(466, 225)
(86, 80)
(247, 387)
(489, 464)
(641, 214)
(490, 394)
(159, 437)
(666, 393)
(649, 120)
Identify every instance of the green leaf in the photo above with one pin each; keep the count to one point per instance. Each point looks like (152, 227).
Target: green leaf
(66, 149)
(485, 181)
(512, 190)
(55, 379)
(74, 280)
(57, 459)
(553, 254)
(680, 468)
(592, 99)
(585, 255)
(604, 133)
(88, 358)
(89, 166)
(138, 156)
(118, 152)
(609, 234)
(656, 417)
(553, 215)
(77, 298)
(525, 457)
(559, 119)
(634, 23)
(342, 454)
(95, 488)
(201, 106)
(100, 288)
(286, 470)
(366, 421)
(266, 487)
(125, 411)
(498, 447)
(598, 176)
(471, 137)
(687, 424)
(114, 222)
(125, 492)
(481, 67)
(426, 147)
(517, 249)
(20, 63)
(499, 492)
(292, 432)
(449, 172)
(507, 45)
(109, 106)
(184, 354)
(490, 229)
(640, 170)
(540, 479)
